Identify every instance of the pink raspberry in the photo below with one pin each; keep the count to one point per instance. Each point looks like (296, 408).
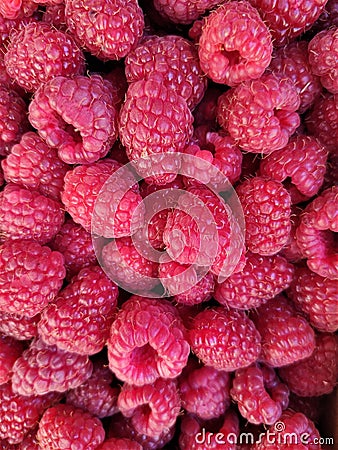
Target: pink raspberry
(42, 369)
(34, 165)
(206, 111)
(173, 57)
(317, 297)
(262, 278)
(31, 276)
(224, 339)
(235, 44)
(201, 292)
(259, 394)
(293, 61)
(315, 234)
(19, 327)
(39, 52)
(26, 214)
(323, 57)
(108, 30)
(30, 441)
(291, 250)
(10, 350)
(286, 336)
(55, 15)
(13, 9)
(83, 137)
(120, 444)
(147, 341)
(64, 426)
(303, 380)
(88, 303)
(153, 408)
(118, 80)
(267, 208)
(328, 18)
(181, 11)
(260, 114)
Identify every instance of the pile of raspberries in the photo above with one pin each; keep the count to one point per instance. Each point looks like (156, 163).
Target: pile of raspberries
(129, 325)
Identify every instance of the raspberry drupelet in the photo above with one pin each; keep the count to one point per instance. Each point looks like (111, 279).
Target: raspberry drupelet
(10, 350)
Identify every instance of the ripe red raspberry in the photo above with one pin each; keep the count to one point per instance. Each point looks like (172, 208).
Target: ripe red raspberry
(289, 19)
(153, 408)
(19, 327)
(206, 111)
(173, 57)
(286, 336)
(315, 234)
(323, 57)
(34, 165)
(19, 414)
(328, 18)
(64, 426)
(17, 8)
(56, 16)
(260, 114)
(259, 394)
(267, 208)
(30, 441)
(108, 30)
(83, 137)
(30, 276)
(224, 339)
(301, 377)
(10, 350)
(120, 444)
(235, 44)
(119, 83)
(26, 214)
(323, 119)
(147, 341)
(262, 278)
(205, 391)
(181, 11)
(293, 61)
(45, 368)
(88, 303)
(317, 297)
(39, 52)
(303, 160)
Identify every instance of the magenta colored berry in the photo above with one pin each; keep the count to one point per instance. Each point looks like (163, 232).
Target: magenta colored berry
(19, 327)
(55, 15)
(199, 293)
(181, 11)
(120, 444)
(10, 350)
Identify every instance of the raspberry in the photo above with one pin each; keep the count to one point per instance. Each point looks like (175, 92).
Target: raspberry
(153, 408)
(201, 292)
(64, 426)
(293, 61)
(205, 391)
(262, 278)
(31, 276)
(315, 234)
(43, 368)
(328, 18)
(119, 83)
(26, 214)
(108, 30)
(266, 206)
(260, 114)
(303, 380)
(259, 394)
(147, 341)
(20, 414)
(120, 444)
(224, 339)
(289, 19)
(206, 111)
(19, 327)
(39, 52)
(17, 8)
(80, 317)
(235, 44)
(10, 350)
(286, 336)
(30, 441)
(56, 16)
(181, 11)
(34, 165)
(317, 297)
(173, 57)
(323, 119)
(323, 56)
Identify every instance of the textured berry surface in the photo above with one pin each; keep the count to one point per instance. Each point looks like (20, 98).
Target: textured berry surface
(39, 52)
(260, 114)
(224, 339)
(120, 444)
(64, 426)
(147, 341)
(19, 327)
(10, 350)
(43, 368)
(201, 292)
(181, 11)
(30, 276)
(267, 208)
(235, 44)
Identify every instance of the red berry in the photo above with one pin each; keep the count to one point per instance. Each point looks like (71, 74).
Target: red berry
(19, 327)
(181, 11)
(55, 15)
(120, 444)
(10, 350)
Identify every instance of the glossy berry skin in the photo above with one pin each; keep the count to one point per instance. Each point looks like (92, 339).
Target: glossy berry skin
(180, 11)
(30, 276)
(260, 114)
(39, 52)
(120, 444)
(107, 30)
(201, 292)
(147, 341)
(224, 339)
(235, 44)
(10, 350)
(19, 327)
(64, 425)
